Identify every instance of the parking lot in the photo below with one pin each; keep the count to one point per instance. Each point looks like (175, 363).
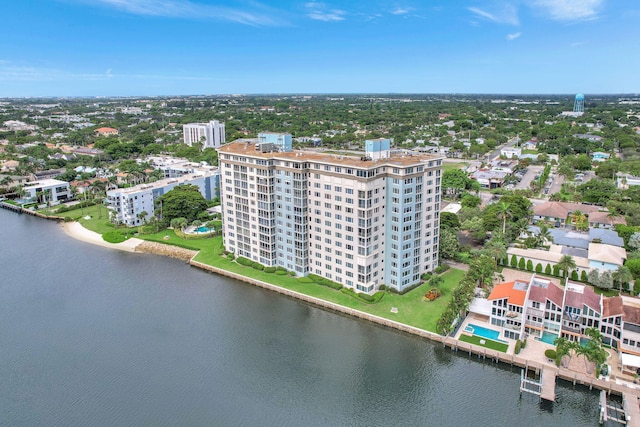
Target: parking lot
(525, 182)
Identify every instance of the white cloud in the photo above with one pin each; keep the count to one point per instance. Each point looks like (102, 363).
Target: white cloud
(570, 10)
(27, 73)
(505, 13)
(401, 11)
(186, 9)
(513, 36)
(320, 12)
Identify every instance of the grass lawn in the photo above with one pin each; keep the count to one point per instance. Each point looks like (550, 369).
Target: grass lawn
(199, 243)
(529, 151)
(98, 221)
(494, 345)
(450, 166)
(411, 309)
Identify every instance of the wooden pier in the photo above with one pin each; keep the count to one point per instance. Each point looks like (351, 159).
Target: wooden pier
(548, 384)
(544, 387)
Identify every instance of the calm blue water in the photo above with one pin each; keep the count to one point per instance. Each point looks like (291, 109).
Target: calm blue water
(95, 337)
(203, 229)
(484, 332)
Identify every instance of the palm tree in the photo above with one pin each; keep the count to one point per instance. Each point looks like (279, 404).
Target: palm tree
(580, 220)
(142, 216)
(544, 235)
(495, 248)
(566, 264)
(622, 275)
(503, 212)
(564, 347)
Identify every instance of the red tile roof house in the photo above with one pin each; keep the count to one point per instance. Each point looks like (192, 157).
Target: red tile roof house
(543, 309)
(106, 131)
(581, 309)
(560, 211)
(507, 305)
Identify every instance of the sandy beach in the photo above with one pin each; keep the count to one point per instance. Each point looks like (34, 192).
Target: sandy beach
(77, 231)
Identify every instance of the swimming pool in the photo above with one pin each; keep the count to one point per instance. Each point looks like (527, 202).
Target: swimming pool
(203, 229)
(484, 332)
(548, 337)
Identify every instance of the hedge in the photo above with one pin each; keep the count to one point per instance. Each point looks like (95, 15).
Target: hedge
(371, 299)
(529, 265)
(244, 261)
(281, 272)
(521, 264)
(556, 270)
(583, 276)
(514, 261)
(269, 269)
(257, 266)
(538, 268)
(518, 347)
(547, 270)
(574, 275)
(551, 354)
(441, 268)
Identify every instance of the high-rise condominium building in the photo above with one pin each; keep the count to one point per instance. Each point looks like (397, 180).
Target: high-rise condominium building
(359, 221)
(209, 135)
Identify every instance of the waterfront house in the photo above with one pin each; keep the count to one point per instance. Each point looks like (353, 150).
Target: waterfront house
(543, 309)
(51, 191)
(581, 309)
(606, 257)
(507, 306)
(611, 323)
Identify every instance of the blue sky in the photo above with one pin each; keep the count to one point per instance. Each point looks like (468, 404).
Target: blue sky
(181, 47)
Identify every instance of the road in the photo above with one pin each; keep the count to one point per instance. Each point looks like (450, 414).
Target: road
(496, 153)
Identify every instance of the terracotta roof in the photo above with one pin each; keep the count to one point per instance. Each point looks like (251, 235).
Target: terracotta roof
(562, 209)
(248, 148)
(612, 306)
(506, 290)
(104, 130)
(631, 314)
(541, 293)
(604, 218)
(578, 295)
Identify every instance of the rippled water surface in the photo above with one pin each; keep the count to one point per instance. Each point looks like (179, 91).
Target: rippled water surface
(91, 336)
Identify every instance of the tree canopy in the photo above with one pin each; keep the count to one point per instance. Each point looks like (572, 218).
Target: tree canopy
(184, 201)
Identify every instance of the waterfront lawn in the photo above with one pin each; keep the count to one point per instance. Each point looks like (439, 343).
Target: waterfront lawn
(98, 221)
(412, 310)
(493, 345)
(451, 166)
(169, 237)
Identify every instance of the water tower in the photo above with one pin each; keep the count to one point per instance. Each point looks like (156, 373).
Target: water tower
(578, 104)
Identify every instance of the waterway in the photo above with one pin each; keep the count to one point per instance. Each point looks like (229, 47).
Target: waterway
(92, 336)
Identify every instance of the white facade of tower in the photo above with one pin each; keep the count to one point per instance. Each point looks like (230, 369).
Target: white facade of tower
(357, 222)
(209, 135)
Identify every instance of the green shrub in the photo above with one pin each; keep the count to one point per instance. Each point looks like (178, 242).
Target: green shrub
(269, 269)
(231, 257)
(550, 354)
(529, 265)
(292, 273)
(302, 279)
(68, 219)
(257, 266)
(426, 276)
(281, 272)
(547, 269)
(441, 268)
(556, 271)
(114, 237)
(583, 276)
(574, 275)
(524, 343)
(521, 264)
(538, 268)
(244, 261)
(280, 268)
(518, 347)
(315, 278)
(514, 261)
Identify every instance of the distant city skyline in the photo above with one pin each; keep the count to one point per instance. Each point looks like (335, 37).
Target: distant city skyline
(199, 47)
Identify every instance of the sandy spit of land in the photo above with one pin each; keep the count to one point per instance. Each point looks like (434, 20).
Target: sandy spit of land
(77, 231)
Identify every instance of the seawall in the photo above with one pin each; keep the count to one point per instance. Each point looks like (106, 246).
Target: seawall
(447, 342)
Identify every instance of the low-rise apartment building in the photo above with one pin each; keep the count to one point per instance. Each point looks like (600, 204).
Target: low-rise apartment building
(136, 205)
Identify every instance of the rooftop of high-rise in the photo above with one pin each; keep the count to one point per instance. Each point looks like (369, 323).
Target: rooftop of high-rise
(248, 147)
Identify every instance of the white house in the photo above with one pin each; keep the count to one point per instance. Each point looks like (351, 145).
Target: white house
(51, 191)
(209, 135)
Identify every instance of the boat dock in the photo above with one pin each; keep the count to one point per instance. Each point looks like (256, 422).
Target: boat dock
(544, 387)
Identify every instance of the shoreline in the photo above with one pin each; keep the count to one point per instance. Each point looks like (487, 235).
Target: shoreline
(135, 245)
(79, 232)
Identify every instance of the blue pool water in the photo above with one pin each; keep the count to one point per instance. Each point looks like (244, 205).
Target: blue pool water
(548, 337)
(203, 229)
(484, 332)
